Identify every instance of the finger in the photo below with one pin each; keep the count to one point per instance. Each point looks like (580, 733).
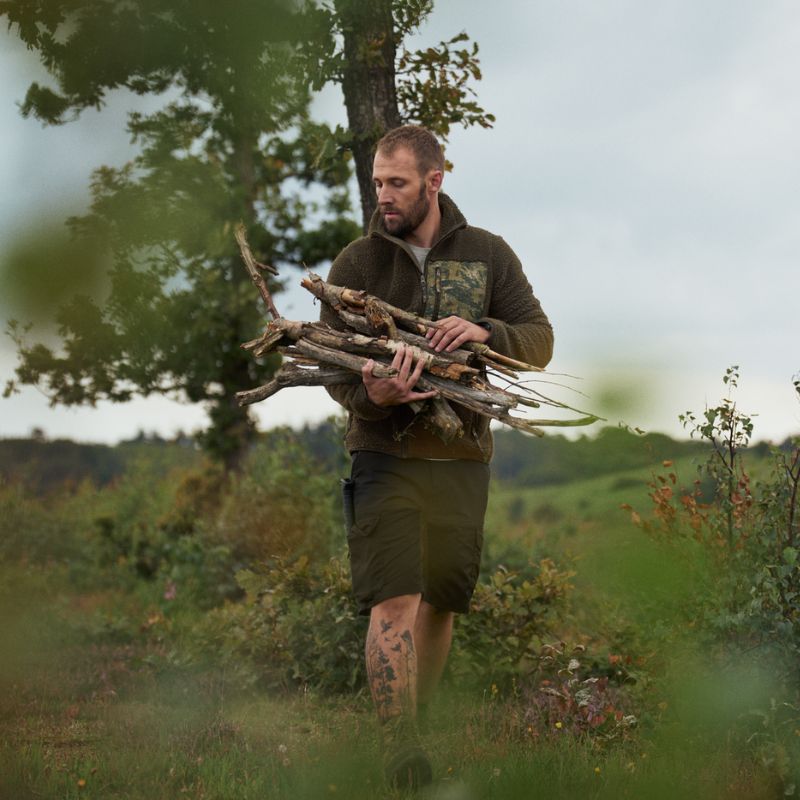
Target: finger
(457, 342)
(438, 326)
(439, 331)
(398, 356)
(447, 337)
(463, 336)
(406, 365)
(415, 375)
(366, 371)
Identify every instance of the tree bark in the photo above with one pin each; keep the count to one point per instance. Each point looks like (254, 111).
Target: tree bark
(232, 426)
(368, 83)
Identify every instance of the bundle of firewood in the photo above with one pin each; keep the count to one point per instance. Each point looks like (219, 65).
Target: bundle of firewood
(316, 354)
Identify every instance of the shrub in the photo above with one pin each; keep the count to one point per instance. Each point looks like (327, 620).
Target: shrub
(510, 619)
(296, 628)
(749, 532)
(279, 506)
(41, 530)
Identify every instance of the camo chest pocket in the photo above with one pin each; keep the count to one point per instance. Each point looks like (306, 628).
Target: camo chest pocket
(456, 288)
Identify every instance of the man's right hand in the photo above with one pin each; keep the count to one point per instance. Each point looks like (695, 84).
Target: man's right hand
(399, 389)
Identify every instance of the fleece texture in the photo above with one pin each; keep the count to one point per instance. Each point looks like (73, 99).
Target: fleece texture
(468, 272)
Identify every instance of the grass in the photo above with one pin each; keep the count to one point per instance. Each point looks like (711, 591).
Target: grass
(97, 700)
(184, 738)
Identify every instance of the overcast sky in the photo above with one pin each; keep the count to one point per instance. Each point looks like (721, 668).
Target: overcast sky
(644, 166)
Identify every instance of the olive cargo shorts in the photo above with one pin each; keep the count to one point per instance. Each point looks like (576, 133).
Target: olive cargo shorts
(415, 527)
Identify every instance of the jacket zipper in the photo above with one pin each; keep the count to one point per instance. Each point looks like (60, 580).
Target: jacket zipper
(437, 288)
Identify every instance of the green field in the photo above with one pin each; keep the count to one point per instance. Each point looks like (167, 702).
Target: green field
(589, 668)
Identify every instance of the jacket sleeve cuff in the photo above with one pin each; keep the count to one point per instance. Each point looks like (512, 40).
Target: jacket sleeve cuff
(363, 407)
(490, 325)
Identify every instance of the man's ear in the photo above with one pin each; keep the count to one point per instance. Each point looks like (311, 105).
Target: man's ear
(435, 180)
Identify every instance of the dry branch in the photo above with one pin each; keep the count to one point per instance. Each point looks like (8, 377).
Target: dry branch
(293, 375)
(253, 268)
(375, 330)
(356, 301)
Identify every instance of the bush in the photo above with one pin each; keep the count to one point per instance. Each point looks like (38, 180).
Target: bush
(510, 619)
(280, 506)
(42, 530)
(298, 628)
(750, 533)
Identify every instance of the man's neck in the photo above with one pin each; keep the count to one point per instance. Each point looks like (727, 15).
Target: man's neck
(426, 233)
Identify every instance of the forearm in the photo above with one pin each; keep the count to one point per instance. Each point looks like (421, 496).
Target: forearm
(520, 328)
(531, 342)
(355, 400)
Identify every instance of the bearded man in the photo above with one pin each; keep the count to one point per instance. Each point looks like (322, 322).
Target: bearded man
(416, 505)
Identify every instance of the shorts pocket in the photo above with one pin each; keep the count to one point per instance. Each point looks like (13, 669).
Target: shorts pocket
(362, 528)
(364, 566)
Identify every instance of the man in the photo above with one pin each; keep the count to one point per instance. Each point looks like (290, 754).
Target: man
(417, 504)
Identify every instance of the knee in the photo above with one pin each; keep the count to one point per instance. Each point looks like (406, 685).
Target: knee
(397, 610)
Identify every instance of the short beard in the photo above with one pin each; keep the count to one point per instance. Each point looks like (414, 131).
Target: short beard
(410, 222)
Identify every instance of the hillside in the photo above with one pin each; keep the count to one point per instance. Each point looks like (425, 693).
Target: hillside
(519, 460)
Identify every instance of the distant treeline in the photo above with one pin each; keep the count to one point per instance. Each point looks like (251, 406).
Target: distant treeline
(44, 465)
(520, 460)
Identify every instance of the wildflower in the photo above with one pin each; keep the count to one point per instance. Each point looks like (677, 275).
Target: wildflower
(282, 749)
(495, 690)
(170, 590)
(496, 772)
(663, 705)
(82, 783)
(597, 770)
(559, 725)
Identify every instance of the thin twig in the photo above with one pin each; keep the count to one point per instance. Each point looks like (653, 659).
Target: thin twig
(254, 268)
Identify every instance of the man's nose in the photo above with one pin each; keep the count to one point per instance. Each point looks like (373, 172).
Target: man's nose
(384, 196)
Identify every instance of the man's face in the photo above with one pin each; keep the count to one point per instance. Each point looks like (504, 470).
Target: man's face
(402, 192)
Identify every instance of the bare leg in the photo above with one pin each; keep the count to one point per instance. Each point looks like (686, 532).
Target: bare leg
(392, 675)
(433, 632)
(391, 656)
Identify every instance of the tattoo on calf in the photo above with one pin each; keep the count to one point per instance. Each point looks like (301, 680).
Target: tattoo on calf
(391, 669)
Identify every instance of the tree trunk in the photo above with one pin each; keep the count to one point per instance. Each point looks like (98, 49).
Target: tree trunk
(368, 84)
(232, 428)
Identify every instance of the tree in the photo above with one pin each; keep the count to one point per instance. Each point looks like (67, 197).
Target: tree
(361, 45)
(233, 141)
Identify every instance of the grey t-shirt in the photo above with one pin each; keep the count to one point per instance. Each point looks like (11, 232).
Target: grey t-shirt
(420, 253)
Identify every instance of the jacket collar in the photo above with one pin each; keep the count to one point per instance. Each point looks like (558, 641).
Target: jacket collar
(452, 219)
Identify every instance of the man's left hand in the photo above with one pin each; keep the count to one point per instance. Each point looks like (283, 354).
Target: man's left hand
(451, 332)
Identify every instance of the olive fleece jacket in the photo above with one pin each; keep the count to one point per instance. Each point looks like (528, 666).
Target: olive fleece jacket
(468, 272)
